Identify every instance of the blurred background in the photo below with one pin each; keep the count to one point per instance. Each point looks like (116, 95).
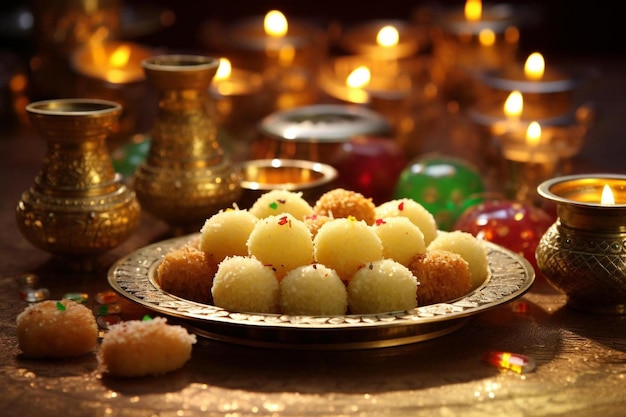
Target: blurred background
(558, 27)
(578, 35)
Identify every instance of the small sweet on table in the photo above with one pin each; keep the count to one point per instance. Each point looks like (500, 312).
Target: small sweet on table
(137, 348)
(56, 329)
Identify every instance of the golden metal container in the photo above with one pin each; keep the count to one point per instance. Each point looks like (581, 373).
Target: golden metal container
(260, 176)
(315, 132)
(78, 207)
(187, 176)
(583, 254)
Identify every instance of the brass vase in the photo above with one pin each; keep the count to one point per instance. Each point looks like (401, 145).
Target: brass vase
(187, 176)
(583, 254)
(78, 207)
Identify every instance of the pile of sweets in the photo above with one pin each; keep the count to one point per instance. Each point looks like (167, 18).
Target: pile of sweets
(341, 255)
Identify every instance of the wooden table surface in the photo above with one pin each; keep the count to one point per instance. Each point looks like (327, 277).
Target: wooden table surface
(580, 357)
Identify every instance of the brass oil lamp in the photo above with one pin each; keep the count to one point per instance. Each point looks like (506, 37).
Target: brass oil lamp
(583, 254)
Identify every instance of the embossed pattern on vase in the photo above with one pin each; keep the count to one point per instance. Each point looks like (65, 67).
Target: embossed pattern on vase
(78, 205)
(186, 176)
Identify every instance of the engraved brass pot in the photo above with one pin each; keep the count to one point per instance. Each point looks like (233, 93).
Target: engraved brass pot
(78, 207)
(187, 176)
(583, 254)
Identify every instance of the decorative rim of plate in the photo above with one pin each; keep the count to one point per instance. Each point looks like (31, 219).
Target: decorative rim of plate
(132, 276)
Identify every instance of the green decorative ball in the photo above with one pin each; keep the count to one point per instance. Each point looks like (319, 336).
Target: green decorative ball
(444, 185)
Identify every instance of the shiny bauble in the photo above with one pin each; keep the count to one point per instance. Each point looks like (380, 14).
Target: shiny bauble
(446, 186)
(513, 225)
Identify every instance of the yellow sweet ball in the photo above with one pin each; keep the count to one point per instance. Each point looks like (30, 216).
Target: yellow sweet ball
(138, 348)
(282, 242)
(226, 233)
(276, 202)
(313, 290)
(382, 286)
(401, 238)
(345, 244)
(414, 211)
(470, 248)
(56, 329)
(244, 284)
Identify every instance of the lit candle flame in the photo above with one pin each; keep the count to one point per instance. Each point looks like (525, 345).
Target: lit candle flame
(533, 134)
(534, 66)
(359, 77)
(116, 65)
(387, 36)
(114, 62)
(223, 70)
(514, 104)
(275, 24)
(487, 37)
(473, 10)
(120, 56)
(607, 195)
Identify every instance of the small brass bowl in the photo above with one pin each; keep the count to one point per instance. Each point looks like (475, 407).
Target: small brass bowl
(260, 176)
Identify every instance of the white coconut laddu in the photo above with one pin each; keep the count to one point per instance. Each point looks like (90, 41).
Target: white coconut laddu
(138, 348)
(313, 290)
(382, 286)
(245, 284)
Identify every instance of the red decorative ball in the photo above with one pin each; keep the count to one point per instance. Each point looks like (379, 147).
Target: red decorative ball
(510, 224)
(370, 165)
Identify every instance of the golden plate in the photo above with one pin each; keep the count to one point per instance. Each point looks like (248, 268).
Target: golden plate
(133, 276)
